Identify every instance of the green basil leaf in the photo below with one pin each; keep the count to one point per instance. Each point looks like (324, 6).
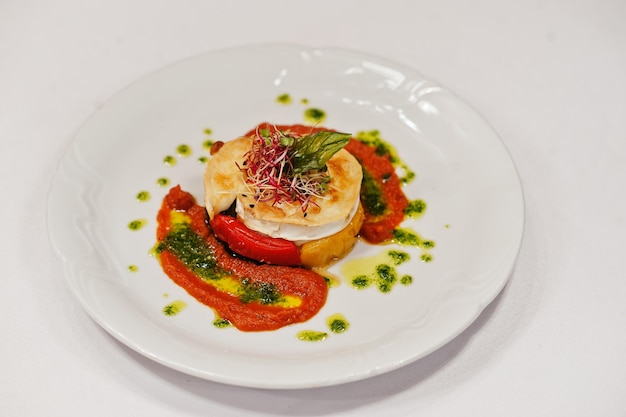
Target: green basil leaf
(313, 151)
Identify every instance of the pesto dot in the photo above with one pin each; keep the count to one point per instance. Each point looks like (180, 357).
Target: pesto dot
(183, 150)
(208, 131)
(361, 281)
(284, 99)
(169, 160)
(337, 323)
(133, 268)
(203, 159)
(314, 115)
(221, 323)
(415, 208)
(143, 196)
(386, 273)
(398, 257)
(386, 277)
(427, 244)
(426, 257)
(174, 308)
(163, 182)
(304, 101)
(406, 280)
(207, 144)
(338, 326)
(137, 224)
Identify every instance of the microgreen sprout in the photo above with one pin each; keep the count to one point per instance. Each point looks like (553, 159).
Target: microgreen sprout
(287, 167)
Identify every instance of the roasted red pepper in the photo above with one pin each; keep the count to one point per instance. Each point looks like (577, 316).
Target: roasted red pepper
(253, 244)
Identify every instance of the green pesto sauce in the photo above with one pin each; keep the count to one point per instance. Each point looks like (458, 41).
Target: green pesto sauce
(406, 280)
(415, 209)
(163, 182)
(337, 323)
(361, 281)
(284, 99)
(314, 115)
(398, 257)
(133, 268)
(304, 101)
(221, 323)
(137, 224)
(174, 308)
(408, 176)
(378, 270)
(193, 251)
(262, 292)
(183, 150)
(206, 145)
(386, 277)
(203, 159)
(426, 257)
(169, 160)
(208, 131)
(428, 244)
(373, 138)
(311, 336)
(143, 196)
(372, 195)
(408, 237)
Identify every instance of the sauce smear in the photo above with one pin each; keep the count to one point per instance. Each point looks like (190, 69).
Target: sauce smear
(251, 296)
(381, 193)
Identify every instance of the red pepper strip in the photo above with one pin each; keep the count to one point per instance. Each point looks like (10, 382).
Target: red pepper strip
(253, 244)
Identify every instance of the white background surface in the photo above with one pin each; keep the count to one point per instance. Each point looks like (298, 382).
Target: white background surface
(549, 77)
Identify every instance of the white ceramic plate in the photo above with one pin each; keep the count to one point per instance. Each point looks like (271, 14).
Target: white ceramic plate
(464, 173)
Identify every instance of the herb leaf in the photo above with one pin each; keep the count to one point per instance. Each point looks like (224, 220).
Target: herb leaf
(313, 151)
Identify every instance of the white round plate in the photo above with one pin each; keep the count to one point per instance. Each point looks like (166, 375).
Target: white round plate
(464, 173)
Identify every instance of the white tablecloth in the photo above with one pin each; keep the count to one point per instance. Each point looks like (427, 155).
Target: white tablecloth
(549, 76)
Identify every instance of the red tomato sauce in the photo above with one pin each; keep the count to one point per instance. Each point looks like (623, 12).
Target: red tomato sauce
(378, 228)
(309, 287)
